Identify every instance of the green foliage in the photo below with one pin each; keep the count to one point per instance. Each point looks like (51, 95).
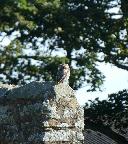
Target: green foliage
(112, 113)
(69, 25)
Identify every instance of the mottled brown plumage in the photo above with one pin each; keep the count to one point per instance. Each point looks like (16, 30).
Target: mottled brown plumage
(63, 74)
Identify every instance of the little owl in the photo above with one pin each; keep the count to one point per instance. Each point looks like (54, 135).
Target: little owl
(63, 74)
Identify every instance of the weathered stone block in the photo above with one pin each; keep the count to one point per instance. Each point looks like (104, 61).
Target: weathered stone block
(40, 113)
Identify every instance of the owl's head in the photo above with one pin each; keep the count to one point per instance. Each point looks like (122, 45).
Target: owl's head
(63, 66)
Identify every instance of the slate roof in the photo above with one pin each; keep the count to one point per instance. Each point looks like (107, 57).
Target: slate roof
(93, 137)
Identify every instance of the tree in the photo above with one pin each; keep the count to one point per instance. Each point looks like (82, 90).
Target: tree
(109, 116)
(83, 29)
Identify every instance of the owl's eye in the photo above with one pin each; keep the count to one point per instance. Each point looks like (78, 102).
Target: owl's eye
(61, 68)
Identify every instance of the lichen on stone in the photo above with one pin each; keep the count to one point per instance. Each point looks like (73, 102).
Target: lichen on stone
(40, 112)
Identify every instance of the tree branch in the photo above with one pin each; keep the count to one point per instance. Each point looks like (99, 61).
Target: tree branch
(119, 65)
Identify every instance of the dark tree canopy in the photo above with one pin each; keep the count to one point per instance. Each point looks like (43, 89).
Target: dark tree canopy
(109, 116)
(85, 30)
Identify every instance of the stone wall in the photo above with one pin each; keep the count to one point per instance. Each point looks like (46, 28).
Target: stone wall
(40, 113)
